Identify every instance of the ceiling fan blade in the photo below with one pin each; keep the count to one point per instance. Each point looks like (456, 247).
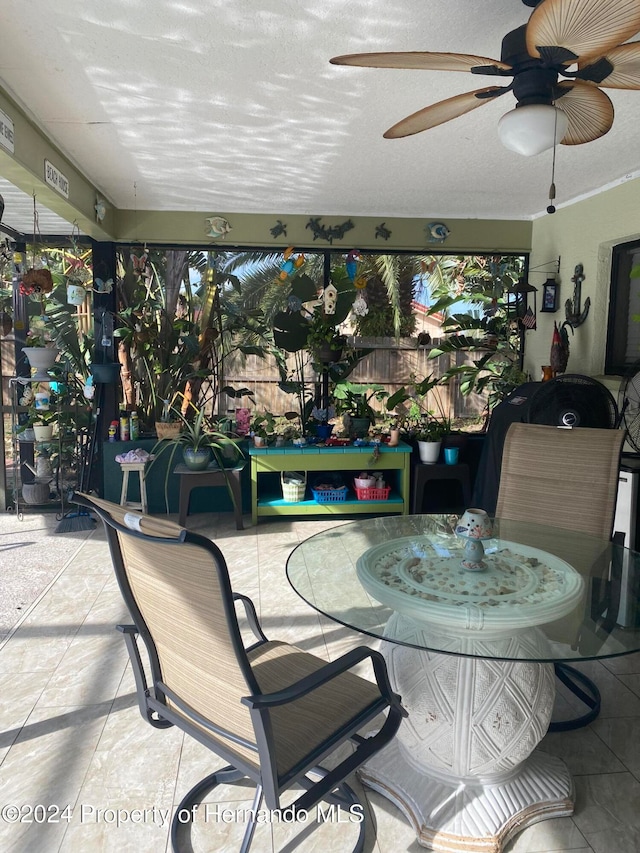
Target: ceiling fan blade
(625, 60)
(443, 111)
(589, 110)
(587, 28)
(421, 59)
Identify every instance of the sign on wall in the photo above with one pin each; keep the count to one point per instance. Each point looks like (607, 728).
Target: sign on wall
(6, 132)
(56, 179)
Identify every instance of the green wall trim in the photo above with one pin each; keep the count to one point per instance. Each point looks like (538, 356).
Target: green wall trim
(253, 229)
(25, 169)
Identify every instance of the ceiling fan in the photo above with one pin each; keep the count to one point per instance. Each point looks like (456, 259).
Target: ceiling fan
(585, 36)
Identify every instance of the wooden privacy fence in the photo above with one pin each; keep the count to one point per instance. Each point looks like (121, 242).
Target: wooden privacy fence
(391, 366)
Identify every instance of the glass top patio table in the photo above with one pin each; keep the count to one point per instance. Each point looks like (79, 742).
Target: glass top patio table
(577, 596)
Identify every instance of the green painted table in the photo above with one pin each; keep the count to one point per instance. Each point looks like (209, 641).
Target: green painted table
(266, 492)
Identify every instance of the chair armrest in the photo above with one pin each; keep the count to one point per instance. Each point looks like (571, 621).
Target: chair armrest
(252, 616)
(325, 674)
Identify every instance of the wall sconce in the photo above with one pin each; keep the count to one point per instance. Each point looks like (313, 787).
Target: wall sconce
(550, 296)
(550, 289)
(521, 290)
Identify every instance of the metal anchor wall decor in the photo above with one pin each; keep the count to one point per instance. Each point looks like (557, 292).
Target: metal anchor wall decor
(575, 316)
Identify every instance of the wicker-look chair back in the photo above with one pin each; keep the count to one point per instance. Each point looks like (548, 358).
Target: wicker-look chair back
(556, 479)
(567, 478)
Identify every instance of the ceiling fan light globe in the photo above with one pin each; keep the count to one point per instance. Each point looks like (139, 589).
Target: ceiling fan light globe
(531, 129)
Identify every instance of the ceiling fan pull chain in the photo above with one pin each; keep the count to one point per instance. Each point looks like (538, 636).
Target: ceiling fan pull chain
(552, 189)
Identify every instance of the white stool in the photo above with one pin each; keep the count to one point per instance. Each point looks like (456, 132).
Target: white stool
(138, 467)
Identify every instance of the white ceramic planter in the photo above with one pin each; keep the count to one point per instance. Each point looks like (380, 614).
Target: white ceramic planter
(43, 432)
(75, 294)
(429, 451)
(42, 359)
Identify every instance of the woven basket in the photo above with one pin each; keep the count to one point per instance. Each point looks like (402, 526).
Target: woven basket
(293, 492)
(170, 429)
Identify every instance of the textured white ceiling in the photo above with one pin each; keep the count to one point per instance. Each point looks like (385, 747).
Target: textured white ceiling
(231, 105)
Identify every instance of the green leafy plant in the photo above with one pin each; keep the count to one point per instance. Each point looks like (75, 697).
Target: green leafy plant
(322, 331)
(264, 425)
(487, 330)
(432, 429)
(355, 399)
(196, 435)
(174, 335)
(424, 417)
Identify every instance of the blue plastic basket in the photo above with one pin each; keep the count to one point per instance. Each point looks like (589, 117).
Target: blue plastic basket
(330, 496)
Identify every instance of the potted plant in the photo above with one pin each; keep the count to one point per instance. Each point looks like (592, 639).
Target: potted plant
(287, 428)
(322, 427)
(323, 341)
(40, 350)
(263, 428)
(172, 337)
(42, 424)
(429, 436)
(354, 403)
(169, 426)
(198, 445)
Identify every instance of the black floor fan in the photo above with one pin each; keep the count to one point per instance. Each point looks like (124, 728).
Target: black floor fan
(573, 400)
(629, 400)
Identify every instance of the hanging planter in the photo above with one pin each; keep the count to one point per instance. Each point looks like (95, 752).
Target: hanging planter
(36, 281)
(42, 359)
(106, 373)
(76, 294)
(329, 352)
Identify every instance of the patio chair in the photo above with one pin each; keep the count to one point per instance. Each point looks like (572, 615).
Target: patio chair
(271, 710)
(567, 479)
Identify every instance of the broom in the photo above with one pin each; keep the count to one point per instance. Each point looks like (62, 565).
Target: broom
(81, 519)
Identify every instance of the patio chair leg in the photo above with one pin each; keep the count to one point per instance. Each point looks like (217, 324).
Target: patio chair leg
(251, 825)
(582, 687)
(180, 826)
(344, 797)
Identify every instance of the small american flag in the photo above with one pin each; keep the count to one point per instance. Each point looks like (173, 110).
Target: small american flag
(529, 319)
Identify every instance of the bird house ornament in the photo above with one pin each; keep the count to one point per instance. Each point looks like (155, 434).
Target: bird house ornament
(329, 298)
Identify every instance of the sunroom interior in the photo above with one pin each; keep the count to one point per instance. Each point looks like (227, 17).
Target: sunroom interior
(220, 127)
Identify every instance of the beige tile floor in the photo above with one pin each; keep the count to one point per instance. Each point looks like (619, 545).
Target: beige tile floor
(73, 742)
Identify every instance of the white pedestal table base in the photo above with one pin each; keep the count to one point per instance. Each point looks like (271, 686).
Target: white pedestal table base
(463, 767)
(470, 816)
